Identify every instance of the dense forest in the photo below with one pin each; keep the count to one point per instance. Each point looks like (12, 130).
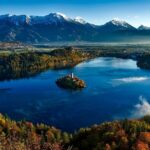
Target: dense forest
(144, 61)
(28, 63)
(117, 135)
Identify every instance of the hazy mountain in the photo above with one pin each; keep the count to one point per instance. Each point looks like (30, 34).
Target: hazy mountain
(59, 27)
(142, 27)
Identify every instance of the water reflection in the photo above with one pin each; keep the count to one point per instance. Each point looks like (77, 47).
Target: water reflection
(109, 94)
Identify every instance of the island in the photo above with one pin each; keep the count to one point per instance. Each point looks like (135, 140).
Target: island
(70, 82)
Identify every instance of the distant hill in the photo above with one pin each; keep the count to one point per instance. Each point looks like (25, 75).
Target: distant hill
(13, 45)
(57, 27)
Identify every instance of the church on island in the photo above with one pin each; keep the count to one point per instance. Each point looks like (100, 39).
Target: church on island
(70, 82)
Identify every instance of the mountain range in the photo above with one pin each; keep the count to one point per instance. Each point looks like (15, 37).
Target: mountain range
(56, 27)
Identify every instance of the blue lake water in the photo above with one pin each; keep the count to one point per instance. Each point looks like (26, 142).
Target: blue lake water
(116, 89)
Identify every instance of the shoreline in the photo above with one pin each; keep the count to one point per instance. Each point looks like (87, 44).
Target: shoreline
(16, 65)
(28, 64)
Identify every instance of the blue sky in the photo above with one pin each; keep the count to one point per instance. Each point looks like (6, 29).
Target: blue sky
(136, 12)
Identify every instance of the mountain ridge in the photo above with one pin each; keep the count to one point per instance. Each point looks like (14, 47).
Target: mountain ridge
(62, 16)
(58, 27)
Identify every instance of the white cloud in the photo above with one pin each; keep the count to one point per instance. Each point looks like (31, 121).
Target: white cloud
(141, 109)
(132, 79)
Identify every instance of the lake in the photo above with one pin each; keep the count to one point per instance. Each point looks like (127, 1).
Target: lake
(116, 89)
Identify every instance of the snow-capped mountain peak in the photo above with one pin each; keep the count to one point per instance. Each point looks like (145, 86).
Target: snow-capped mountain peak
(80, 20)
(58, 14)
(21, 19)
(49, 19)
(119, 22)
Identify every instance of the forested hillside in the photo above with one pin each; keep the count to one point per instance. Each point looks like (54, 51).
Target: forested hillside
(117, 135)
